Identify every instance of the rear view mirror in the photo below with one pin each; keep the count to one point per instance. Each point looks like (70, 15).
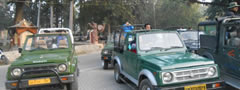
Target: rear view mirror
(130, 39)
(20, 50)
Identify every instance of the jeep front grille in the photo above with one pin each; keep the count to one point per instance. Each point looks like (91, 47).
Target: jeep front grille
(191, 74)
(49, 67)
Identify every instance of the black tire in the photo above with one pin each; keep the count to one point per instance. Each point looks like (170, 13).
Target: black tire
(145, 85)
(73, 85)
(117, 74)
(105, 64)
(5, 59)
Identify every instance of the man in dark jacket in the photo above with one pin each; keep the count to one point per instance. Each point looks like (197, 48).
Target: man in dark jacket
(233, 9)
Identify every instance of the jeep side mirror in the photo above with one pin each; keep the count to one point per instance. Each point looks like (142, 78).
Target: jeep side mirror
(121, 49)
(19, 50)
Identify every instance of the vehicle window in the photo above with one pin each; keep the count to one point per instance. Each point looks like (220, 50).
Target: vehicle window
(46, 42)
(110, 38)
(189, 35)
(116, 39)
(132, 43)
(159, 41)
(122, 38)
(210, 30)
(232, 37)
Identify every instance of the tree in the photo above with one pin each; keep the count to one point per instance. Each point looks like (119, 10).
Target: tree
(112, 12)
(6, 17)
(217, 7)
(177, 13)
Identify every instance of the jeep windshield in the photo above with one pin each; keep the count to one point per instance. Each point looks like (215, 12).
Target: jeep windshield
(48, 42)
(159, 41)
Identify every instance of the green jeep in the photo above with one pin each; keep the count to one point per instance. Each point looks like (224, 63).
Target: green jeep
(106, 53)
(47, 60)
(223, 47)
(158, 60)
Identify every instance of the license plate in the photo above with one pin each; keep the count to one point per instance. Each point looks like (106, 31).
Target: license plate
(39, 81)
(196, 87)
(105, 57)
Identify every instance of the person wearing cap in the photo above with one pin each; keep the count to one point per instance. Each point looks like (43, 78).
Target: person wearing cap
(233, 9)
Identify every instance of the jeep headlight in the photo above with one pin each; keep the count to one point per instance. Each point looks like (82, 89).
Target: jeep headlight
(16, 72)
(212, 71)
(167, 77)
(62, 67)
(105, 52)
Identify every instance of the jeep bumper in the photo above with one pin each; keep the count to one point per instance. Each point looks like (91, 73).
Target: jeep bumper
(106, 58)
(11, 84)
(209, 86)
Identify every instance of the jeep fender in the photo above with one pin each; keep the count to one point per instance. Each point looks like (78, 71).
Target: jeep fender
(117, 60)
(208, 55)
(149, 75)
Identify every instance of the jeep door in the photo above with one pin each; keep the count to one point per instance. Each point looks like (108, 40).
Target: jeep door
(119, 45)
(228, 53)
(131, 56)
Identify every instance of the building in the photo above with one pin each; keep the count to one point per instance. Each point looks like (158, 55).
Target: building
(20, 31)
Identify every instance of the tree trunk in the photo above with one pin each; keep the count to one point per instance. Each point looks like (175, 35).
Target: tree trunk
(71, 15)
(19, 12)
(109, 29)
(51, 14)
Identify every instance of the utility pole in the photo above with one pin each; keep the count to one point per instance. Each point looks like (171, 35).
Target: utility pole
(71, 15)
(39, 11)
(51, 14)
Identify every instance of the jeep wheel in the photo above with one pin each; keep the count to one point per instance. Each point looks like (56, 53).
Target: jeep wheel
(145, 85)
(4, 59)
(73, 85)
(117, 74)
(104, 64)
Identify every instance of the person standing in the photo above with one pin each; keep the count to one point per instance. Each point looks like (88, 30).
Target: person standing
(127, 27)
(233, 9)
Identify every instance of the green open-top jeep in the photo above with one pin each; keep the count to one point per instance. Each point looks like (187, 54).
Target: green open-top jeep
(158, 60)
(46, 60)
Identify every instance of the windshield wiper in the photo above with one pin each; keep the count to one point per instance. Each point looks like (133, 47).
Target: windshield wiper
(156, 48)
(173, 47)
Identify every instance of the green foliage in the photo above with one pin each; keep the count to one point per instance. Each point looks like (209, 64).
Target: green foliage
(177, 13)
(5, 18)
(217, 10)
(60, 11)
(114, 12)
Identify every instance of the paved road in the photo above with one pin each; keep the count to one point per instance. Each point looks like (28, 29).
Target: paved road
(3, 71)
(92, 76)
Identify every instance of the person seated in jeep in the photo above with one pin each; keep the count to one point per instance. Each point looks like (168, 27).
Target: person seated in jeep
(235, 38)
(132, 46)
(61, 38)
